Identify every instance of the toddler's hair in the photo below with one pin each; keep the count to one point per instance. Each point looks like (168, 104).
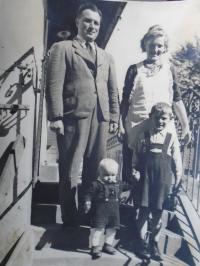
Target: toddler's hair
(161, 108)
(107, 166)
(152, 33)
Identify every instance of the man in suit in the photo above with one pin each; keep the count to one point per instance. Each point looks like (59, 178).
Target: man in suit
(83, 105)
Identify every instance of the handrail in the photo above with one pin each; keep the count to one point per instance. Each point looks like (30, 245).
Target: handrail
(40, 113)
(25, 70)
(17, 63)
(191, 153)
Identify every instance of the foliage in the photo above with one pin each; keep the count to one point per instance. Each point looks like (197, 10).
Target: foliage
(187, 63)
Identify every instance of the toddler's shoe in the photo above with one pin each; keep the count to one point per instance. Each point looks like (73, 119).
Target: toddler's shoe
(107, 248)
(96, 252)
(155, 252)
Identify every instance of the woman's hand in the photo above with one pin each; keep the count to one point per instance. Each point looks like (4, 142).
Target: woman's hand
(186, 135)
(177, 182)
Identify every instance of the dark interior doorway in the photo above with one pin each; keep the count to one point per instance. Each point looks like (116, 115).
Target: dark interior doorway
(61, 16)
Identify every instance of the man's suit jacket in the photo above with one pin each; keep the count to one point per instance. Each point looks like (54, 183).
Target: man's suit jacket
(71, 87)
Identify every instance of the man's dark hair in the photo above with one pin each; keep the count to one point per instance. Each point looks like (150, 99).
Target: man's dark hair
(88, 5)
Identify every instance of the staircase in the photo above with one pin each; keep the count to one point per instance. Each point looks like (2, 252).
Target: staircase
(58, 246)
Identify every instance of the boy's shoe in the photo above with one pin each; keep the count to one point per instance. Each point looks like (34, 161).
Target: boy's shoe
(143, 251)
(107, 248)
(155, 252)
(96, 252)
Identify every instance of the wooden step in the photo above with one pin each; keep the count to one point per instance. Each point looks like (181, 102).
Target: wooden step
(59, 246)
(52, 257)
(49, 173)
(22, 252)
(46, 193)
(50, 214)
(46, 214)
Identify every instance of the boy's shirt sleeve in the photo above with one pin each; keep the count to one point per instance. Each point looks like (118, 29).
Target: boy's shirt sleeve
(176, 156)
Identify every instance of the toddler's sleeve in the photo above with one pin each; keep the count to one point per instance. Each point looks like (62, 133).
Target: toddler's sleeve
(90, 192)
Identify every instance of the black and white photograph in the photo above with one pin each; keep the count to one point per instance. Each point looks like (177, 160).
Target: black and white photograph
(99, 132)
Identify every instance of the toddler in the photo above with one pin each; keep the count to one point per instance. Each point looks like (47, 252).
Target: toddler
(103, 199)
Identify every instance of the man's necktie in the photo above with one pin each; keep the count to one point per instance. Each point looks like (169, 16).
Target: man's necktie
(90, 51)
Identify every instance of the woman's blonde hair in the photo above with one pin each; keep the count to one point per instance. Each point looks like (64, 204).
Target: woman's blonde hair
(152, 33)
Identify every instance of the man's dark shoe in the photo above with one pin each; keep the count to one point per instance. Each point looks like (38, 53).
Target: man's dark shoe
(143, 251)
(107, 248)
(155, 252)
(96, 252)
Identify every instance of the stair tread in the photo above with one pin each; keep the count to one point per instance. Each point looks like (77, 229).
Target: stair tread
(83, 255)
(66, 244)
(49, 173)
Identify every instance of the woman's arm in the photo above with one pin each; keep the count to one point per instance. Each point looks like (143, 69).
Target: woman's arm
(180, 111)
(135, 157)
(128, 85)
(179, 108)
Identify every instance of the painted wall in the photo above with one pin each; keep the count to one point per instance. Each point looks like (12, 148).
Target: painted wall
(21, 28)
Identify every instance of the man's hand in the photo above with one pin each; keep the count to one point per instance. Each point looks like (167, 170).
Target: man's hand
(113, 127)
(121, 132)
(57, 126)
(87, 206)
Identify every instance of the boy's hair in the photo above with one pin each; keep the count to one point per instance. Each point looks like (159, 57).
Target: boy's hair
(152, 33)
(88, 5)
(161, 108)
(107, 166)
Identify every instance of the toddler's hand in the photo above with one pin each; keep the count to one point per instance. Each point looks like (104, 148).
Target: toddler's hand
(136, 174)
(87, 206)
